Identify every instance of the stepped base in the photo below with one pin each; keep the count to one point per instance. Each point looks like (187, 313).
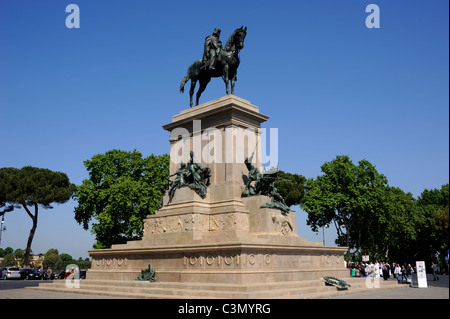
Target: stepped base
(238, 263)
(255, 245)
(306, 289)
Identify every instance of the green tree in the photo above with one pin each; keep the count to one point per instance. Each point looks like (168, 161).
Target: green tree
(440, 224)
(347, 195)
(433, 236)
(291, 187)
(4, 208)
(66, 259)
(9, 260)
(51, 259)
(6, 251)
(19, 254)
(123, 188)
(82, 264)
(31, 187)
(393, 226)
(4, 205)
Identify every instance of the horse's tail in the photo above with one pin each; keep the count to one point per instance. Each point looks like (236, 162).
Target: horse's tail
(183, 82)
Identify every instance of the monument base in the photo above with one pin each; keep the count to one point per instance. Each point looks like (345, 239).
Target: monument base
(221, 238)
(222, 245)
(248, 245)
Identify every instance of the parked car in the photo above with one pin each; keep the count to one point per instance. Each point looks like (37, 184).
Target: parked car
(10, 273)
(30, 274)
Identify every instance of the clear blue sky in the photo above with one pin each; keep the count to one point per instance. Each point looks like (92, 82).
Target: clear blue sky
(329, 84)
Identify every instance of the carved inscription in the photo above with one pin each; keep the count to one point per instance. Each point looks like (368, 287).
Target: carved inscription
(109, 263)
(230, 260)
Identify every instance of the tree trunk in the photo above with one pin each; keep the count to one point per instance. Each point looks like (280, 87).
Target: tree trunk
(34, 218)
(347, 239)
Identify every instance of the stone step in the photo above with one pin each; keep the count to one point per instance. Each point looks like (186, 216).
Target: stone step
(207, 286)
(358, 287)
(120, 294)
(190, 286)
(311, 289)
(180, 291)
(195, 286)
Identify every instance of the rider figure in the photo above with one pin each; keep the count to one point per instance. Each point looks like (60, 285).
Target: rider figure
(213, 45)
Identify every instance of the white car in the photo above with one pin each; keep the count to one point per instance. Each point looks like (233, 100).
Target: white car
(10, 273)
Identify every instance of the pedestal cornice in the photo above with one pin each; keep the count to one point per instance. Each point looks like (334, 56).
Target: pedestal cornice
(227, 110)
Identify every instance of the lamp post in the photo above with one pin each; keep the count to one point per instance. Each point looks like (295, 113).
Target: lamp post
(2, 228)
(323, 233)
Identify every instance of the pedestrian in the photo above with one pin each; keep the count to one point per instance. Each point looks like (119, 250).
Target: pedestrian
(397, 271)
(385, 271)
(376, 269)
(49, 273)
(434, 268)
(368, 270)
(409, 273)
(403, 273)
(358, 271)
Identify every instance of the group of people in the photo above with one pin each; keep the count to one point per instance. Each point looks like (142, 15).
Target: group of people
(402, 273)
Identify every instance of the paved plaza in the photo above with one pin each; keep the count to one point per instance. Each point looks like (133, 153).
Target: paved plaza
(436, 290)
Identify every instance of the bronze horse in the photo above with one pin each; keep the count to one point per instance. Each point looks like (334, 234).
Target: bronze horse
(226, 68)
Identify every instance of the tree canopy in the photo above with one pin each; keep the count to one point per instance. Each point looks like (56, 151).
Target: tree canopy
(291, 187)
(347, 195)
(122, 189)
(31, 187)
(433, 208)
(371, 216)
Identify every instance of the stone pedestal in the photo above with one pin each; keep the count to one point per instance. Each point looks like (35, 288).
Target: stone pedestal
(222, 238)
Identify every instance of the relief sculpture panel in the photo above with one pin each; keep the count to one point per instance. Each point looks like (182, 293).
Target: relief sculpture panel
(198, 222)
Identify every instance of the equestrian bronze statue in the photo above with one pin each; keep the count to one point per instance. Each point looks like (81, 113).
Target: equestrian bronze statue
(217, 61)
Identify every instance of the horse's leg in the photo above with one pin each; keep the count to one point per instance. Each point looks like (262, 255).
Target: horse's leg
(225, 77)
(191, 91)
(233, 80)
(203, 83)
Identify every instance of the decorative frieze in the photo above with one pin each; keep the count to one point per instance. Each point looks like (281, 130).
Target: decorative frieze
(283, 224)
(173, 224)
(194, 221)
(231, 260)
(109, 263)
